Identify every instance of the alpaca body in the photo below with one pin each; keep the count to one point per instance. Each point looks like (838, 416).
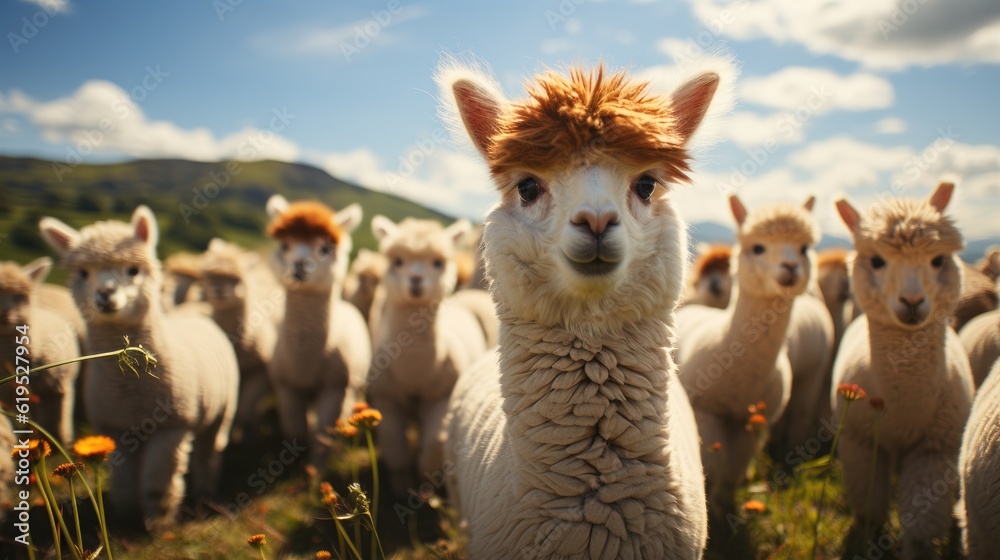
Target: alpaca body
(164, 425)
(908, 281)
(479, 303)
(981, 339)
(323, 349)
(50, 337)
(979, 295)
(980, 464)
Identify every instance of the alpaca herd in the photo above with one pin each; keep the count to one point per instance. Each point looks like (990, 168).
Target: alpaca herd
(587, 394)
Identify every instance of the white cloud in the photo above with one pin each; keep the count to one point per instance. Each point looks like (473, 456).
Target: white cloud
(750, 130)
(876, 33)
(51, 6)
(818, 89)
(890, 125)
(100, 117)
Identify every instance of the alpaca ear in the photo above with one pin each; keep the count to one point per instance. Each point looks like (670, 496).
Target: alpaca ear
(849, 215)
(810, 203)
(942, 195)
(480, 112)
(144, 226)
(276, 206)
(38, 269)
(382, 227)
(58, 235)
(349, 218)
(739, 211)
(690, 102)
(458, 230)
(216, 244)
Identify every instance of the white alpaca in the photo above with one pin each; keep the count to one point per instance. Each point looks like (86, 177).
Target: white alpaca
(181, 272)
(164, 424)
(981, 339)
(51, 338)
(710, 281)
(323, 350)
(424, 340)
(575, 439)
(980, 464)
(731, 359)
(363, 278)
(907, 280)
(247, 303)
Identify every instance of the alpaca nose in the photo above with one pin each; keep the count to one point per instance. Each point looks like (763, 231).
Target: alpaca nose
(416, 280)
(104, 294)
(792, 268)
(595, 221)
(911, 302)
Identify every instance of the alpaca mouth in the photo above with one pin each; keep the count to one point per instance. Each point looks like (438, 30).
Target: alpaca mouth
(910, 317)
(416, 291)
(787, 280)
(595, 267)
(106, 307)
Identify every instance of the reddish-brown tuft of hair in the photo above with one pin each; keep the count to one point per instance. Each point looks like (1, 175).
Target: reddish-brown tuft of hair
(714, 258)
(588, 116)
(832, 257)
(306, 219)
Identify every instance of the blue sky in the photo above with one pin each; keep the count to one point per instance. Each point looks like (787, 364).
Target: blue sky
(858, 98)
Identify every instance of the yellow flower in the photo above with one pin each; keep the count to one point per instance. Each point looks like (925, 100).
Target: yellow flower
(343, 430)
(323, 555)
(95, 448)
(851, 392)
(359, 406)
(257, 541)
(754, 506)
(367, 418)
(66, 470)
(37, 448)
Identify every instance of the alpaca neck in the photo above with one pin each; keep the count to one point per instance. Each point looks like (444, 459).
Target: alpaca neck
(106, 337)
(232, 319)
(759, 324)
(912, 353)
(586, 420)
(307, 319)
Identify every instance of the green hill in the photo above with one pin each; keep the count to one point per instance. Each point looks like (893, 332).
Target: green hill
(193, 201)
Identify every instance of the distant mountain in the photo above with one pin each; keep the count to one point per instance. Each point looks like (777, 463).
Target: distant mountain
(193, 201)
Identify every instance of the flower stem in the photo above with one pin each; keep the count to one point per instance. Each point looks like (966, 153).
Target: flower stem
(48, 510)
(826, 477)
(341, 531)
(100, 511)
(374, 463)
(871, 481)
(76, 513)
(375, 538)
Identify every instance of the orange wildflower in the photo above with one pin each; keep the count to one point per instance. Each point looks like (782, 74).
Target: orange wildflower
(323, 555)
(716, 447)
(359, 406)
(754, 506)
(37, 448)
(756, 421)
(96, 448)
(257, 541)
(851, 392)
(344, 430)
(66, 470)
(760, 407)
(878, 403)
(368, 418)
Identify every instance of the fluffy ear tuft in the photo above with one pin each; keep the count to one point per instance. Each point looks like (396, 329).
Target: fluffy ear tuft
(61, 237)
(458, 230)
(382, 227)
(849, 215)
(809, 203)
(739, 211)
(144, 226)
(471, 101)
(942, 195)
(349, 218)
(38, 269)
(276, 206)
(691, 102)
(217, 244)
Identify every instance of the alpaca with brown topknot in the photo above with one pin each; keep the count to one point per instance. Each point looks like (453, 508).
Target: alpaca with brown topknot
(363, 278)
(711, 280)
(575, 439)
(323, 348)
(907, 279)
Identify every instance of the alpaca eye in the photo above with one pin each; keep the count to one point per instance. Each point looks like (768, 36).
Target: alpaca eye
(132, 271)
(805, 249)
(397, 262)
(758, 249)
(438, 263)
(528, 189)
(644, 187)
(877, 262)
(284, 246)
(937, 261)
(83, 274)
(325, 250)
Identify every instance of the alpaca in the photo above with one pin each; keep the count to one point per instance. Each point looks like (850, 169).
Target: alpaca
(907, 280)
(990, 263)
(424, 340)
(246, 303)
(834, 279)
(116, 282)
(7, 467)
(363, 279)
(979, 295)
(575, 438)
(323, 349)
(730, 359)
(52, 338)
(181, 272)
(711, 280)
(981, 339)
(980, 464)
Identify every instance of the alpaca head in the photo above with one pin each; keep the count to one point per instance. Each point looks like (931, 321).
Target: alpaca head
(223, 273)
(775, 246)
(421, 257)
(906, 271)
(314, 243)
(115, 276)
(16, 284)
(585, 228)
(833, 277)
(366, 272)
(711, 276)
